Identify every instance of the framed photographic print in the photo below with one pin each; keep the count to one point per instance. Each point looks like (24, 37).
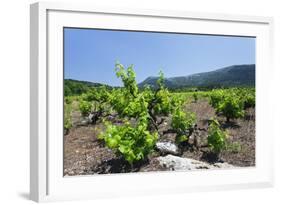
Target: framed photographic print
(127, 102)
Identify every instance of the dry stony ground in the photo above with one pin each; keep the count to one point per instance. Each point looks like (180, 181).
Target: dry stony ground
(84, 154)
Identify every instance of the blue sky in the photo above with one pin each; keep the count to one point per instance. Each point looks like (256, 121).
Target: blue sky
(90, 54)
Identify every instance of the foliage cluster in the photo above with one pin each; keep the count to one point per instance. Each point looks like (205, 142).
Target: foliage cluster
(183, 123)
(85, 107)
(195, 96)
(134, 143)
(216, 137)
(142, 112)
(232, 102)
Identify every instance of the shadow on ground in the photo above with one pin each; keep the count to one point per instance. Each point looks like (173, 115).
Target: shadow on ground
(24, 195)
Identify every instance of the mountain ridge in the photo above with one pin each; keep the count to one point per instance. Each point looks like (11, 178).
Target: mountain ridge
(235, 75)
(230, 76)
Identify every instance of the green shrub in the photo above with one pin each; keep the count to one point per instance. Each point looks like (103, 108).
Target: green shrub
(249, 101)
(228, 102)
(134, 139)
(97, 101)
(68, 100)
(183, 123)
(133, 143)
(85, 107)
(216, 137)
(195, 97)
(216, 97)
(231, 107)
(140, 112)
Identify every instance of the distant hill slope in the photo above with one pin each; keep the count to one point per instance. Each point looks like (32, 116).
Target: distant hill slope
(236, 75)
(77, 87)
(88, 83)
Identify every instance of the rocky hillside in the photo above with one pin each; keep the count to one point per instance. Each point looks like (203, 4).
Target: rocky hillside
(236, 75)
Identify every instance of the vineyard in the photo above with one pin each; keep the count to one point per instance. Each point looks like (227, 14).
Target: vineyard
(134, 129)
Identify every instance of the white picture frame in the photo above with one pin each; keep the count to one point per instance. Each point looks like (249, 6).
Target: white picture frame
(46, 132)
